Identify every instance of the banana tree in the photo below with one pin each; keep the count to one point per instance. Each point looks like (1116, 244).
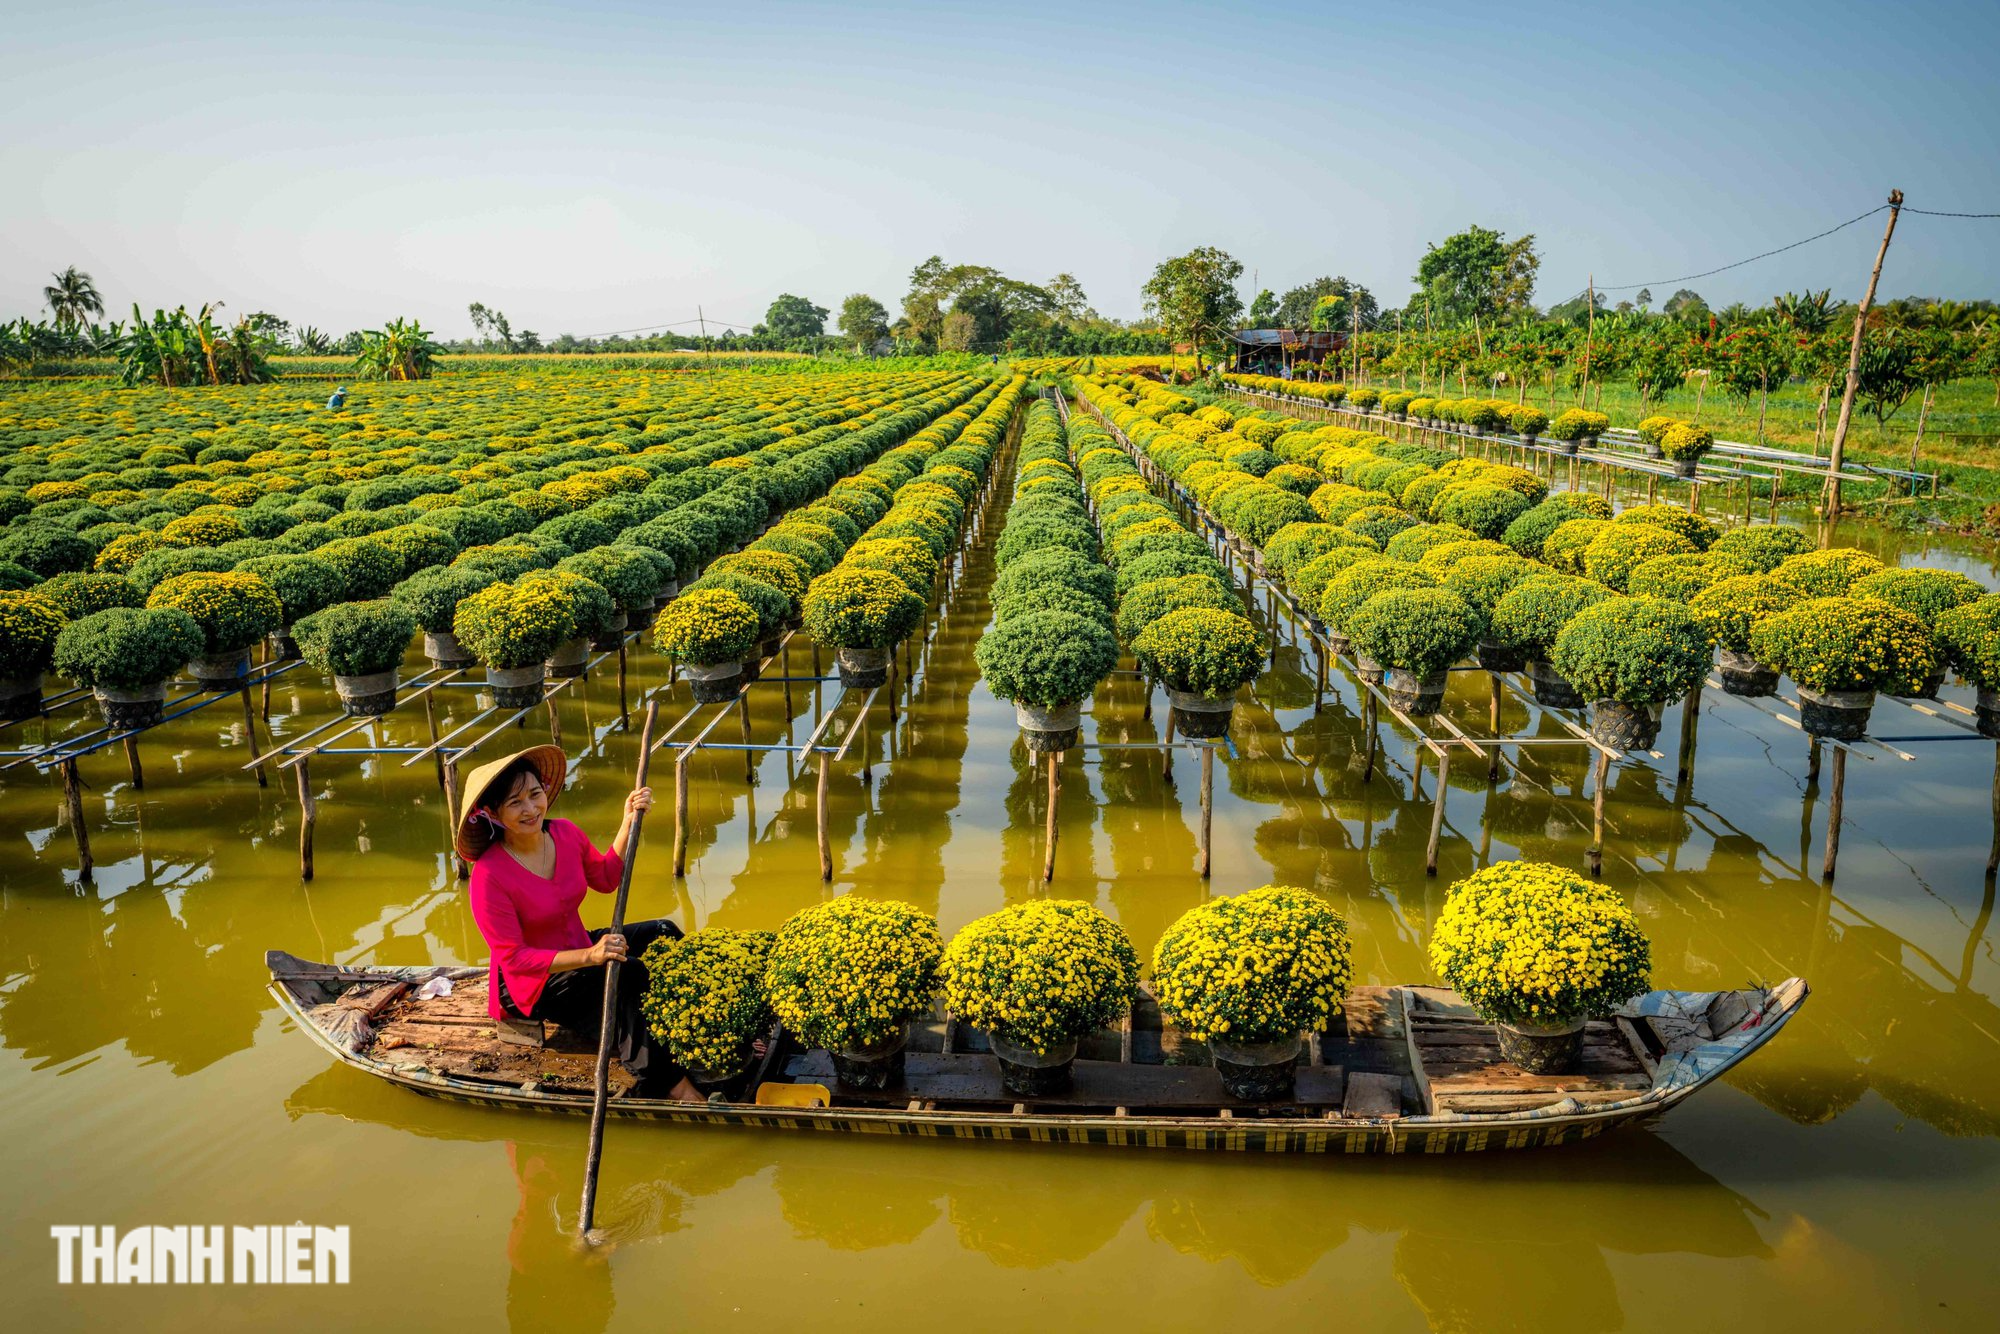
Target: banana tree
(399, 350)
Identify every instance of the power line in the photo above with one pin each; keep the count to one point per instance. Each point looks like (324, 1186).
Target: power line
(1933, 213)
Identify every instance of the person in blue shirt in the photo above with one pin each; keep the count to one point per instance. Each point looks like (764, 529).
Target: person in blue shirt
(339, 398)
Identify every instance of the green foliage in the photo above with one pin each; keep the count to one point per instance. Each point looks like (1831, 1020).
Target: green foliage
(1148, 602)
(1347, 592)
(1674, 520)
(304, 584)
(127, 648)
(1842, 643)
(1527, 533)
(772, 607)
(1635, 650)
(432, 596)
(1765, 547)
(861, 608)
(78, 594)
(1619, 549)
(1059, 566)
(1420, 630)
(356, 638)
(1925, 594)
(591, 609)
(1729, 608)
(29, 626)
(1411, 544)
(905, 557)
(365, 567)
(1046, 658)
(1204, 650)
(1488, 511)
(515, 624)
(1530, 615)
(1564, 549)
(233, 610)
(1826, 574)
(1055, 597)
(1483, 580)
(46, 549)
(1970, 637)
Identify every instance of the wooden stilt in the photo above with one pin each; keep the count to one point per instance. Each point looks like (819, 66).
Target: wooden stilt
(1049, 839)
(867, 753)
(1319, 676)
(452, 814)
(749, 756)
(1600, 773)
(132, 763)
(250, 727)
(681, 814)
(1368, 724)
(1493, 726)
(308, 816)
(1833, 813)
(555, 720)
(1690, 722)
(1993, 856)
(892, 688)
(624, 709)
(73, 812)
(1812, 761)
(785, 670)
(819, 812)
(1146, 707)
(1437, 814)
(1207, 810)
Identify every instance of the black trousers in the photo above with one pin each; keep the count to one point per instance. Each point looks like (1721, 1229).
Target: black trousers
(575, 1000)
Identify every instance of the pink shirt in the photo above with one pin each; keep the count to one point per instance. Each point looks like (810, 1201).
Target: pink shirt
(527, 920)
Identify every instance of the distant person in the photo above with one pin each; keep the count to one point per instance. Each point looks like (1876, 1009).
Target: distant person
(339, 399)
(1286, 370)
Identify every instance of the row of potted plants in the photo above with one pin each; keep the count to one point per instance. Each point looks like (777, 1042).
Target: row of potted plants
(324, 597)
(1176, 608)
(1053, 596)
(851, 569)
(1570, 429)
(1558, 559)
(1535, 948)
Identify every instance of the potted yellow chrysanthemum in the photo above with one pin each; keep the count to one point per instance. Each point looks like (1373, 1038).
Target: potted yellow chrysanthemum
(849, 976)
(1538, 950)
(1247, 975)
(1038, 977)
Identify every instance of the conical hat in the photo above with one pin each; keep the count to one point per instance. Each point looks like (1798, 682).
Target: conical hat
(475, 833)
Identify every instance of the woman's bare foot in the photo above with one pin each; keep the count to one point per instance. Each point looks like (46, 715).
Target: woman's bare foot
(685, 1091)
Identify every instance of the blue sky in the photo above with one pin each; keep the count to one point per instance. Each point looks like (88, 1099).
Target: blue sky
(601, 166)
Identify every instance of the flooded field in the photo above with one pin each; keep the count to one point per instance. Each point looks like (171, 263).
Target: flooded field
(146, 1076)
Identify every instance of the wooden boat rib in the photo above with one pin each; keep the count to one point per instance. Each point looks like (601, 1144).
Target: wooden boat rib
(1403, 1070)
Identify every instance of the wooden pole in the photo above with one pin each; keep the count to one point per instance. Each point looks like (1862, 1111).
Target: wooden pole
(1167, 750)
(1589, 333)
(1833, 463)
(1690, 720)
(1599, 773)
(309, 815)
(1993, 855)
(1493, 727)
(250, 727)
(1368, 722)
(1437, 814)
(624, 709)
(1049, 840)
(449, 775)
(749, 755)
(819, 811)
(132, 763)
(681, 813)
(1833, 811)
(607, 1023)
(73, 809)
(1207, 810)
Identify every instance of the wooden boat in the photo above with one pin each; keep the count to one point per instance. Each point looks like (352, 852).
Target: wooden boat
(1402, 1070)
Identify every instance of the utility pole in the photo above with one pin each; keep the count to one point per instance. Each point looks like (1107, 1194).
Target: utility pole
(1589, 331)
(706, 363)
(1354, 309)
(1832, 507)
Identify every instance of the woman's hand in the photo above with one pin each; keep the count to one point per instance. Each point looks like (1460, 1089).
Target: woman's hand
(639, 799)
(607, 947)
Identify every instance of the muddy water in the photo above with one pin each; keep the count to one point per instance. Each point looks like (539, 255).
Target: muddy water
(1843, 1180)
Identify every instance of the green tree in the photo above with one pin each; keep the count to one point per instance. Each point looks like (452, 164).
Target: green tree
(791, 319)
(72, 298)
(1686, 305)
(491, 324)
(399, 350)
(1465, 278)
(1194, 296)
(1070, 303)
(1001, 308)
(863, 319)
(1296, 309)
(1808, 313)
(1264, 310)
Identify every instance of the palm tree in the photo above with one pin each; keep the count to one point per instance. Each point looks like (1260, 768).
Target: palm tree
(72, 298)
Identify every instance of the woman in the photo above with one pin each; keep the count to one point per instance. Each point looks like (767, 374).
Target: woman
(529, 875)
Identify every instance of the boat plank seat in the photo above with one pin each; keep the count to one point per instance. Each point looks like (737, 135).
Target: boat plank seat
(1373, 1097)
(454, 1035)
(1461, 1068)
(973, 1080)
